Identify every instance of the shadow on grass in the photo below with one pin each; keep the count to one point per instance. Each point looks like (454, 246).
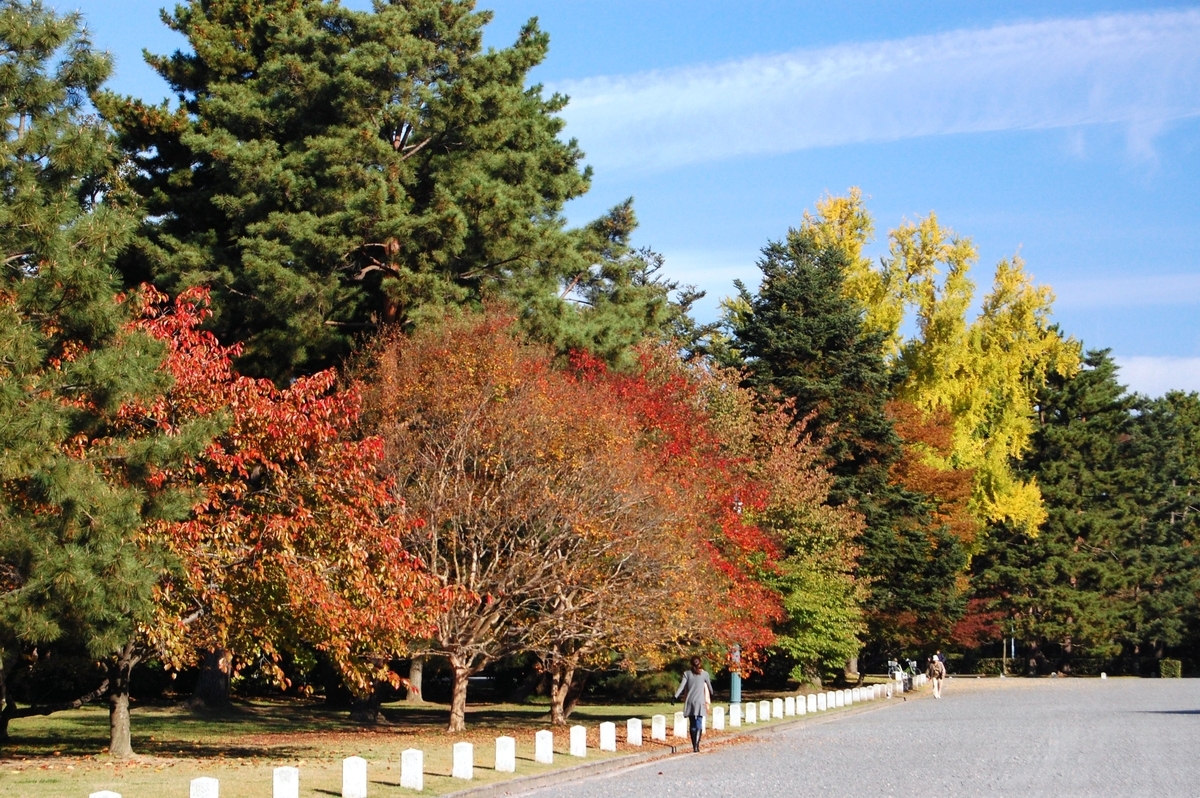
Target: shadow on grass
(246, 729)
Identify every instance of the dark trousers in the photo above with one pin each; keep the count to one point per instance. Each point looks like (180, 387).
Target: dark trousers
(696, 728)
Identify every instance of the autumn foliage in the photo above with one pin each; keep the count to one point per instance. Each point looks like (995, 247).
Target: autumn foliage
(590, 516)
(293, 537)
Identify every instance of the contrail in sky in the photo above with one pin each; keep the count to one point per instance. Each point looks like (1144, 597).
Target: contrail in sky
(1139, 70)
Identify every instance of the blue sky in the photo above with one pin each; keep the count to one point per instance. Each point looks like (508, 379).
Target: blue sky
(1068, 132)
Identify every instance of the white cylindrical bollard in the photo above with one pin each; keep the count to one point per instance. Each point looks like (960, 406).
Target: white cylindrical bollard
(578, 741)
(354, 777)
(205, 787)
(412, 769)
(464, 761)
(633, 731)
(680, 729)
(751, 712)
(543, 747)
(777, 708)
(811, 702)
(718, 718)
(735, 715)
(608, 736)
(105, 794)
(286, 783)
(658, 728)
(506, 755)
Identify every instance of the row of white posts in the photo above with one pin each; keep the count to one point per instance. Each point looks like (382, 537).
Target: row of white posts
(412, 761)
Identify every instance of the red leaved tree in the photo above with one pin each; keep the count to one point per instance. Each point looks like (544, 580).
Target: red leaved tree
(579, 510)
(294, 538)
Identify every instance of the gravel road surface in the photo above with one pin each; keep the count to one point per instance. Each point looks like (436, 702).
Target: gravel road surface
(1012, 737)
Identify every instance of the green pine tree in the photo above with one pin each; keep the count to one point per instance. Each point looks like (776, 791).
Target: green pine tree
(802, 338)
(1067, 588)
(330, 171)
(1164, 573)
(73, 493)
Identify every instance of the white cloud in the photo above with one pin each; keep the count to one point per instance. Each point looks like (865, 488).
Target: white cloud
(1140, 70)
(1152, 290)
(1154, 376)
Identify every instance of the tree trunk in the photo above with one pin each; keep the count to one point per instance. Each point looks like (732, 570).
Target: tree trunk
(5, 707)
(212, 688)
(531, 684)
(851, 669)
(578, 682)
(560, 686)
(366, 708)
(416, 670)
(458, 696)
(120, 745)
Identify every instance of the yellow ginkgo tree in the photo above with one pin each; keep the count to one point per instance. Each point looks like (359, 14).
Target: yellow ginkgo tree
(984, 371)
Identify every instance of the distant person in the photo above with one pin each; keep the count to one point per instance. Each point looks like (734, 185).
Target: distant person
(936, 672)
(696, 689)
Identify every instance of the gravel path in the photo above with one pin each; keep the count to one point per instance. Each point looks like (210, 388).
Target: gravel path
(1016, 737)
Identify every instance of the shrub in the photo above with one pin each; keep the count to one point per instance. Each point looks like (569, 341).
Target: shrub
(658, 686)
(1170, 668)
(990, 666)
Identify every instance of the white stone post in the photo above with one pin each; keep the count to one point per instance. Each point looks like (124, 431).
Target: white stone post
(822, 701)
(412, 769)
(751, 712)
(543, 747)
(811, 702)
(764, 711)
(286, 783)
(735, 715)
(777, 708)
(1103, 675)
(608, 736)
(205, 787)
(889, 691)
(578, 741)
(354, 777)
(506, 755)
(801, 705)
(718, 718)
(105, 794)
(681, 729)
(839, 698)
(633, 731)
(658, 728)
(789, 706)
(464, 761)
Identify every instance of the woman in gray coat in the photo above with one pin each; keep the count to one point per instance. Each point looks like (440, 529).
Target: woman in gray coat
(696, 689)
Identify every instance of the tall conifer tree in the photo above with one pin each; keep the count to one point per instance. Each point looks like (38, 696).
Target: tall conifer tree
(73, 492)
(803, 338)
(329, 171)
(1066, 586)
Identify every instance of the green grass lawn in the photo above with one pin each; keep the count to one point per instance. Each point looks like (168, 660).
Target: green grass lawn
(62, 755)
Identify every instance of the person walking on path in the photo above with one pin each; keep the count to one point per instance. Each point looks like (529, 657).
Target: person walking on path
(936, 672)
(696, 689)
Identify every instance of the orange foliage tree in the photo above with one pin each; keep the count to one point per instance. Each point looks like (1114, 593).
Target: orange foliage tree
(294, 538)
(574, 509)
(929, 606)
